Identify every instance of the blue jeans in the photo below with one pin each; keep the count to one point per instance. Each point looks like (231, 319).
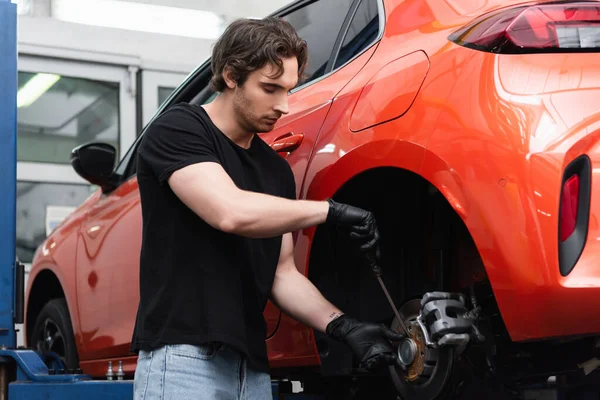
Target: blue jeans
(212, 371)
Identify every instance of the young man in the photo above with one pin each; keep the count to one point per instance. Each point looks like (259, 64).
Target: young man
(218, 207)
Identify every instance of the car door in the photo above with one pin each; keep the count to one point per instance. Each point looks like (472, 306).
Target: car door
(329, 29)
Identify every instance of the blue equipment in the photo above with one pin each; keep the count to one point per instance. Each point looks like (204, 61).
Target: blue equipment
(8, 171)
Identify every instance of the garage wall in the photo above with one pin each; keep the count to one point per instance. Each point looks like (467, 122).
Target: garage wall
(42, 35)
(151, 49)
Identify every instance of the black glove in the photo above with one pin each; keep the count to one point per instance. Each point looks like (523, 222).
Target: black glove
(369, 342)
(362, 227)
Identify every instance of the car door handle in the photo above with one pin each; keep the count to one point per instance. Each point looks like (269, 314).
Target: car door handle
(288, 142)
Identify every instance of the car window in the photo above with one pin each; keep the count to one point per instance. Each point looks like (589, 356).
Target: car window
(363, 31)
(319, 23)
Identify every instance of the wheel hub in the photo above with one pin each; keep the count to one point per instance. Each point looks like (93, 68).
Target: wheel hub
(412, 353)
(407, 352)
(51, 340)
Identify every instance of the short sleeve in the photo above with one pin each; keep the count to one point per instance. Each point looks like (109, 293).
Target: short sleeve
(176, 139)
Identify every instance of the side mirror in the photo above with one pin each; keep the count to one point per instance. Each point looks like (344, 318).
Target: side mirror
(95, 163)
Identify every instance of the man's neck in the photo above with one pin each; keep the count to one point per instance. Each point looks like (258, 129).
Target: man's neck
(222, 115)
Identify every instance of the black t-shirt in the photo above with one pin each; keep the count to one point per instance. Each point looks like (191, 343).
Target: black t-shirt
(197, 283)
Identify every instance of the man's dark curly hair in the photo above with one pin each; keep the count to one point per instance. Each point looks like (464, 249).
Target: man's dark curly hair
(248, 45)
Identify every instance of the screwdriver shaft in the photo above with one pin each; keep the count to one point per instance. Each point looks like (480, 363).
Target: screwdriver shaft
(399, 317)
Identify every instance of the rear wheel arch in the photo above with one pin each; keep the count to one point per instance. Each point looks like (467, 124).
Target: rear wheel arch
(419, 228)
(403, 203)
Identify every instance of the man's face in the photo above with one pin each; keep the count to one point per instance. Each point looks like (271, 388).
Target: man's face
(262, 100)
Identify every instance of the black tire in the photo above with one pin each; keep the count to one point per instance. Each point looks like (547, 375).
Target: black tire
(53, 331)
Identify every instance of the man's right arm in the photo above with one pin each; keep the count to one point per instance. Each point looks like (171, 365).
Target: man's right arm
(209, 191)
(180, 152)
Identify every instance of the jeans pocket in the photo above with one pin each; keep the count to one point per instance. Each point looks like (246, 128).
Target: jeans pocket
(144, 355)
(205, 351)
(142, 374)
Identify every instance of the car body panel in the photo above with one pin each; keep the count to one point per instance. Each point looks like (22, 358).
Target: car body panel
(507, 150)
(108, 273)
(57, 255)
(391, 92)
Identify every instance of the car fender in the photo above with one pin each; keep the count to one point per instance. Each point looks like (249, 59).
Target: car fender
(65, 280)
(393, 153)
(408, 156)
(326, 182)
(57, 254)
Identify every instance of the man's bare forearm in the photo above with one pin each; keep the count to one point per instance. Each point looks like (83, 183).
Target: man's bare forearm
(259, 215)
(207, 190)
(296, 296)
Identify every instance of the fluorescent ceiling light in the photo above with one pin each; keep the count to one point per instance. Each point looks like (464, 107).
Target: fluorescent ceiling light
(139, 17)
(34, 88)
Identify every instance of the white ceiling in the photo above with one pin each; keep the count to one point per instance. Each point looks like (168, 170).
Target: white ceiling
(229, 8)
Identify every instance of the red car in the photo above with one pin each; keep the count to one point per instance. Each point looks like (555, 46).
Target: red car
(470, 128)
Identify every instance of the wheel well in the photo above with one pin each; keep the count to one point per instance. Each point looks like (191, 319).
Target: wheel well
(45, 288)
(425, 246)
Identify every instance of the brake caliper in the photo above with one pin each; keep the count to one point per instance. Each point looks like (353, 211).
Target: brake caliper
(444, 321)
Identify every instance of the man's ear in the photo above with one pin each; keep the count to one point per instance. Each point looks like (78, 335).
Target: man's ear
(229, 78)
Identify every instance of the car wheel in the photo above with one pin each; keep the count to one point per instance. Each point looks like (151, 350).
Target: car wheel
(53, 332)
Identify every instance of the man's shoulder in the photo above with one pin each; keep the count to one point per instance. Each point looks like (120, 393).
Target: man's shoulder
(182, 117)
(181, 113)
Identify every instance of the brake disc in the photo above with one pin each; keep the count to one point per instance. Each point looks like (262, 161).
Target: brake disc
(428, 375)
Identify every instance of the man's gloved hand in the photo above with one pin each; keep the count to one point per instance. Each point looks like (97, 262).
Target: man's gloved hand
(362, 227)
(369, 342)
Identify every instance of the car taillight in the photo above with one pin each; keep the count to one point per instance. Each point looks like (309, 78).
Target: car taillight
(574, 212)
(553, 27)
(569, 205)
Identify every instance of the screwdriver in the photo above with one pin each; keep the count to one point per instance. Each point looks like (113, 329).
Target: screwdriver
(377, 271)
